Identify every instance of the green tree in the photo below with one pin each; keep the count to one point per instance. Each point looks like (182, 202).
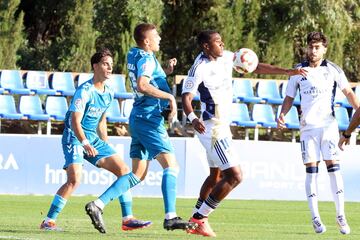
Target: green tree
(75, 43)
(11, 36)
(116, 20)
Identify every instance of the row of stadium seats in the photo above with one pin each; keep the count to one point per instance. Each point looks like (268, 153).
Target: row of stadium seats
(57, 83)
(30, 108)
(268, 91)
(263, 116)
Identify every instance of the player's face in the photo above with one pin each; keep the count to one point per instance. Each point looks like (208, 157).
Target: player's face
(315, 52)
(215, 46)
(104, 67)
(153, 40)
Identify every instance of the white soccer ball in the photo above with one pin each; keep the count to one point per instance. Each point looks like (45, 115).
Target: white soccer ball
(245, 60)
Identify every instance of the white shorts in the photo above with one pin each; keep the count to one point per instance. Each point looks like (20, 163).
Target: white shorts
(217, 141)
(320, 144)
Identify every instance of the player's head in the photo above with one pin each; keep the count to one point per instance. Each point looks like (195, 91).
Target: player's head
(211, 43)
(316, 46)
(102, 63)
(147, 37)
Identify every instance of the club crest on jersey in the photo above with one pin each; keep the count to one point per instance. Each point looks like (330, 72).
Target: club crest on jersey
(189, 84)
(78, 103)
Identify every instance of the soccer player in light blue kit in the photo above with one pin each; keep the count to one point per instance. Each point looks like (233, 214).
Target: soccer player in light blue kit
(149, 136)
(85, 137)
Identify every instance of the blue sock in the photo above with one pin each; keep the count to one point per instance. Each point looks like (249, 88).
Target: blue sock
(168, 188)
(126, 204)
(56, 207)
(119, 187)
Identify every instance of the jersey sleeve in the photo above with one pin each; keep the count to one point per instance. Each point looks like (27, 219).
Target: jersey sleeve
(146, 67)
(81, 97)
(192, 80)
(342, 80)
(292, 86)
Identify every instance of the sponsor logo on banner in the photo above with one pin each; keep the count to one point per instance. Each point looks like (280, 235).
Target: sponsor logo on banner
(9, 163)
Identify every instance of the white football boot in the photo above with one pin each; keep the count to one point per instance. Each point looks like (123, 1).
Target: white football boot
(319, 227)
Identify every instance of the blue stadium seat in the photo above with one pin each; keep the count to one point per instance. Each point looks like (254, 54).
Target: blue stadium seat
(11, 81)
(63, 83)
(8, 108)
(37, 82)
(243, 91)
(268, 91)
(56, 107)
(291, 118)
(83, 77)
(342, 117)
(31, 107)
(113, 113)
(117, 82)
(283, 86)
(240, 115)
(341, 100)
(263, 115)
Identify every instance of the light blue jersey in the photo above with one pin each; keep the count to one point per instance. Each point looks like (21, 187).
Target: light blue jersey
(141, 63)
(146, 124)
(92, 103)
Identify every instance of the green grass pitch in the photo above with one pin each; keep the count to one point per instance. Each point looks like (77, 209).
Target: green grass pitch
(20, 217)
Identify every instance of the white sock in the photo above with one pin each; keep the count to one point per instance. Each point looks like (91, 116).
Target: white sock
(100, 204)
(311, 194)
(337, 189)
(170, 215)
(205, 209)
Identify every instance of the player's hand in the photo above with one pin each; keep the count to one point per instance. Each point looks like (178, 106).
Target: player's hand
(90, 150)
(170, 66)
(173, 109)
(198, 125)
(297, 71)
(281, 121)
(343, 141)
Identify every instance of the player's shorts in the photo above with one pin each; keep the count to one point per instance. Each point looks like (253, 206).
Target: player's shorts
(149, 137)
(217, 141)
(74, 153)
(320, 144)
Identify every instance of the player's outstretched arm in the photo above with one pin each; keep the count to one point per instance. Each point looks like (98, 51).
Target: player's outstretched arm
(264, 68)
(189, 111)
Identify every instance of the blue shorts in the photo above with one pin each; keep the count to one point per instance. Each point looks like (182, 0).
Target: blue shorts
(149, 137)
(74, 153)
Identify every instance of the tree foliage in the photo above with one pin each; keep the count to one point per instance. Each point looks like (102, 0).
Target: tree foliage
(62, 34)
(11, 35)
(116, 20)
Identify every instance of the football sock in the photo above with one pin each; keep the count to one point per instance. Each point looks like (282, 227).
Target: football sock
(169, 188)
(119, 187)
(197, 205)
(56, 207)
(126, 205)
(311, 190)
(208, 206)
(337, 188)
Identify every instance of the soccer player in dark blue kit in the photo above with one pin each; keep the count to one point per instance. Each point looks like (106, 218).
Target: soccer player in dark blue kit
(85, 138)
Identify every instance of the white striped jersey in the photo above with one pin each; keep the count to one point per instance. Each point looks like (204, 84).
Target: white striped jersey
(317, 93)
(213, 81)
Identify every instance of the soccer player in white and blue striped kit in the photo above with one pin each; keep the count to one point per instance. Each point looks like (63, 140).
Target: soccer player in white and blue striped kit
(319, 132)
(85, 138)
(211, 77)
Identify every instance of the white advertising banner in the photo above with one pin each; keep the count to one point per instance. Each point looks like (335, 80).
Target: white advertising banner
(32, 164)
